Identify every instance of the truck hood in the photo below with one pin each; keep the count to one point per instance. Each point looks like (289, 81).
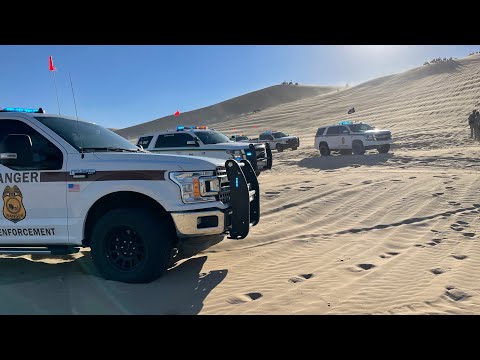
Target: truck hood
(377, 132)
(227, 146)
(150, 161)
(286, 138)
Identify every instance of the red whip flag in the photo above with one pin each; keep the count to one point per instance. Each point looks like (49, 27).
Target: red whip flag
(50, 64)
(177, 113)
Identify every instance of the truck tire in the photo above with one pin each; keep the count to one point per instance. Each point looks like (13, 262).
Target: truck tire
(324, 149)
(295, 148)
(132, 245)
(358, 148)
(384, 149)
(279, 147)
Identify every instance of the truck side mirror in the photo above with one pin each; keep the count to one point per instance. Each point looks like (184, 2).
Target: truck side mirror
(16, 150)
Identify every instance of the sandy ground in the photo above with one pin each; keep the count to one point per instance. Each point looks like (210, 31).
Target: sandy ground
(389, 233)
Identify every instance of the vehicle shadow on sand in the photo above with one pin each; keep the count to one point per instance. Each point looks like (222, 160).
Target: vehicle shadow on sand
(74, 287)
(334, 162)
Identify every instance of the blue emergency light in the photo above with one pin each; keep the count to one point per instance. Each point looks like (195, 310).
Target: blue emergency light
(25, 110)
(248, 153)
(180, 128)
(345, 123)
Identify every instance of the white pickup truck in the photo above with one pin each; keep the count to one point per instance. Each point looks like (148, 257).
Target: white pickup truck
(205, 142)
(278, 140)
(69, 184)
(348, 136)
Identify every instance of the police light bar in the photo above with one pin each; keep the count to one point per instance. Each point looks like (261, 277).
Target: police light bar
(345, 123)
(25, 110)
(202, 127)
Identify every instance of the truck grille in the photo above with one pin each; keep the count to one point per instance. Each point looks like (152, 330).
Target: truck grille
(224, 195)
(383, 137)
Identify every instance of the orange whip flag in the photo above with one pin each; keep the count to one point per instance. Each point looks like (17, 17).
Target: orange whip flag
(51, 67)
(177, 113)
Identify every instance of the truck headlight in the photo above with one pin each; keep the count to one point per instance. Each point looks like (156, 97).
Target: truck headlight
(196, 186)
(370, 137)
(236, 154)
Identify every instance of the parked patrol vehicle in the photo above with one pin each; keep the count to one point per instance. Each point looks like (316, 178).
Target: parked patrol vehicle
(278, 140)
(348, 137)
(205, 142)
(68, 184)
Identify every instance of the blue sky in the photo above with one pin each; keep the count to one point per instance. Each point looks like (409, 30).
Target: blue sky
(119, 86)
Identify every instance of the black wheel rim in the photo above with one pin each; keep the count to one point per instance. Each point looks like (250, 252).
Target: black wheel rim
(125, 249)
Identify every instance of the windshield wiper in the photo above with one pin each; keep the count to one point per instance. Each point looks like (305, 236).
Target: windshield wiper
(110, 149)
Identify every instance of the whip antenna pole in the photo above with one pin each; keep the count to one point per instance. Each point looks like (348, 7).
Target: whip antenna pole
(76, 113)
(56, 91)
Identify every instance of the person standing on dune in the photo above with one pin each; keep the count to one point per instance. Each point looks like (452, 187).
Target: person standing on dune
(476, 125)
(471, 120)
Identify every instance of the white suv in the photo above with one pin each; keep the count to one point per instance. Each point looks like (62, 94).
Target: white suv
(348, 137)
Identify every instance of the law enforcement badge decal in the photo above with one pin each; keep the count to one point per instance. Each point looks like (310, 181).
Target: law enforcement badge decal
(13, 208)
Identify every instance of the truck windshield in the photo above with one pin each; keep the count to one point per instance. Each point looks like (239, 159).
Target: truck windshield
(86, 135)
(278, 135)
(360, 127)
(239, 138)
(212, 137)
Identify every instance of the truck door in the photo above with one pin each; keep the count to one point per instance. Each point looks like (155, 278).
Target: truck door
(345, 139)
(177, 143)
(33, 186)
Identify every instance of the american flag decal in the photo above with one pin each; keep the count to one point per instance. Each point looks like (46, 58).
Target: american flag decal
(73, 187)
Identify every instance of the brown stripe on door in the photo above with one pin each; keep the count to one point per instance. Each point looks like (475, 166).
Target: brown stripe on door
(105, 176)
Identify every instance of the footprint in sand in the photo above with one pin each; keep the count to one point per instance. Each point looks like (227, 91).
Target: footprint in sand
(432, 243)
(272, 193)
(287, 188)
(438, 194)
(469, 234)
(245, 298)
(397, 180)
(438, 271)
(300, 278)
(366, 182)
(455, 294)
(450, 188)
(306, 188)
(419, 245)
(462, 222)
(412, 177)
(389, 254)
(366, 266)
(459, 257)
(456, 227)
(454, 203)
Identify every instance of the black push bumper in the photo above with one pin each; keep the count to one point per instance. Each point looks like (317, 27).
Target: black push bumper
(244, 198)
(260, 159)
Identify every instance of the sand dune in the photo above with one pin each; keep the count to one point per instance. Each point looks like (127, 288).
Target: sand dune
(240, 105)
(389, 233)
